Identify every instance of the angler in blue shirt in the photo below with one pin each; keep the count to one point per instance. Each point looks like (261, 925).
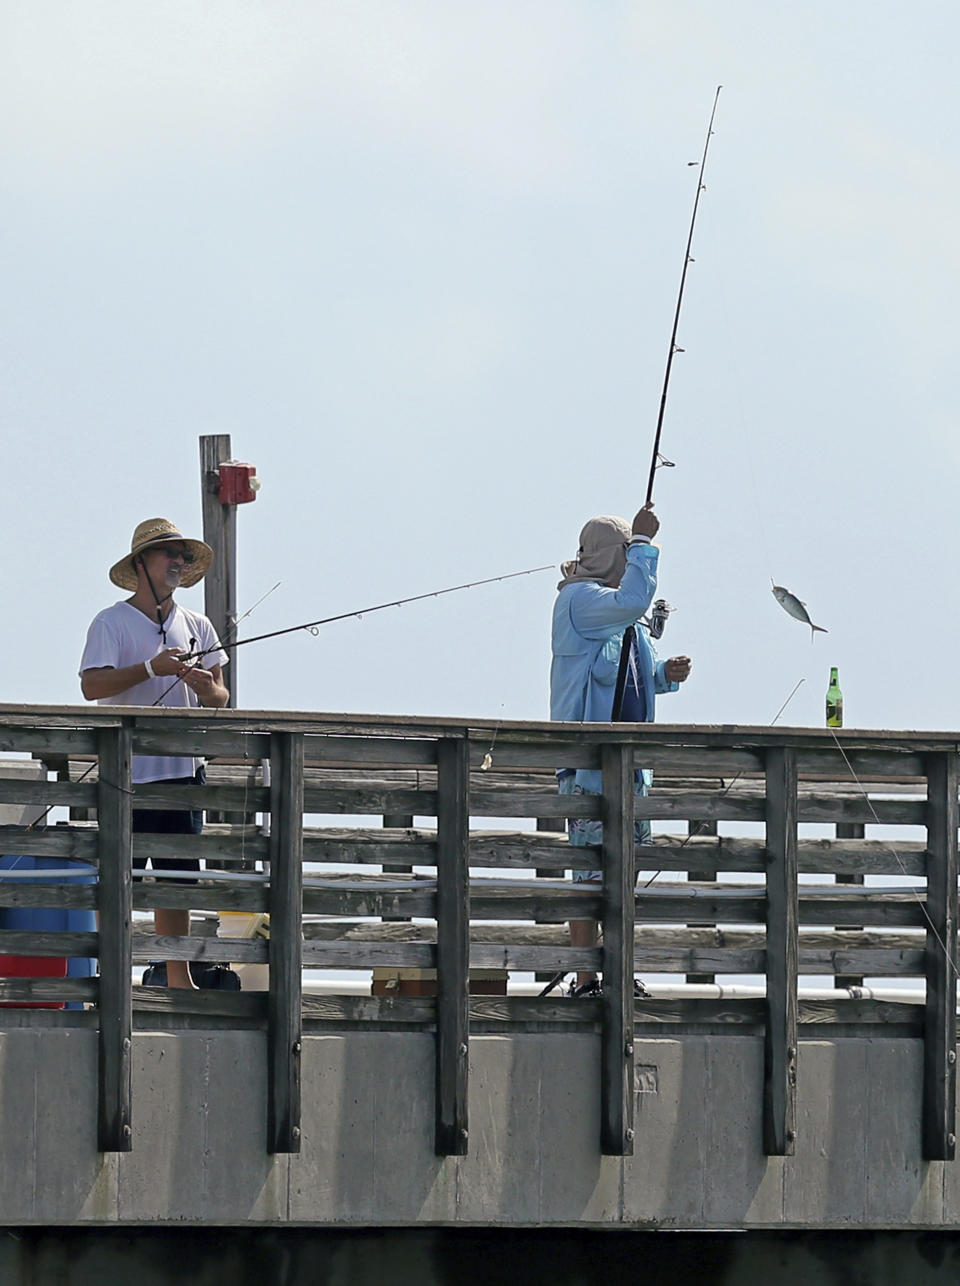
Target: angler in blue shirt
(606, 588)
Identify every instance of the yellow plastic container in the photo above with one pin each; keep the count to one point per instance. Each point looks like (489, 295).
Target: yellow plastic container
(247, 924)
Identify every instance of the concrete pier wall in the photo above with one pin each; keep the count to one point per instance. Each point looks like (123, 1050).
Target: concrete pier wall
(199, 1119)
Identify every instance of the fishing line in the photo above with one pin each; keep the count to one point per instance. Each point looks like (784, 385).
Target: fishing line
(727, 789)
(921, 902)
(365, 611)
(487, 762)
(733, 361)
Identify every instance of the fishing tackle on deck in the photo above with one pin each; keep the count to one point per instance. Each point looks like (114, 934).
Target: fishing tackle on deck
(794, 607)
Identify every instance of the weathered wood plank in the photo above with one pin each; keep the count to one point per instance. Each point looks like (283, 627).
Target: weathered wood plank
(509, 849)
(828, 762)
(48, 896)
(149, 894)
(23, 942)
(826, 944)
(780, 1028)
(44, 742)
(492, 1013)
(77, 843)
(45, 990)
(940, 1023)
(115, 911)
(406, 751)
(20, 790)
(284, 1028)
(232, 1005)
(207, 742)
(228, 799)
(147, 946)
(253, 847)
(517, 899)
(534, 732)
(812, 1013)
(453, 947)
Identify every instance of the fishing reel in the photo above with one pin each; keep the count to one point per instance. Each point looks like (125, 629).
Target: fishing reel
(656, 622)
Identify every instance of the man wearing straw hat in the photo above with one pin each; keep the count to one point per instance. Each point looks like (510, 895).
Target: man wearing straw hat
(134, 655)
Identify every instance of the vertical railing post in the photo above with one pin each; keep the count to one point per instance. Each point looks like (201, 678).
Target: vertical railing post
(548, 826)
(780, 1045)
(285, 1021)
(701, 828)
(940, 1016)
(849, 830)
(619, 906)
(115, 906)
(398, 821)
(453, 944)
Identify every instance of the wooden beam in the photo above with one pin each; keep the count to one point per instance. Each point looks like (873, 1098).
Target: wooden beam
(849, 830)
(545, 826)
(453, 946)
(695, 829)
(780, 1032)
(284, 1020)
(404, 822)
(115, 906)
(220, 533)
(940, 1022)
(619, 902)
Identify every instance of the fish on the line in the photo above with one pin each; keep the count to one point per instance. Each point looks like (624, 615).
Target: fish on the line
(794, 607)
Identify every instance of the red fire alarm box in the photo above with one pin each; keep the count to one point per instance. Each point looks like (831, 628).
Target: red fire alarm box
(238, 484)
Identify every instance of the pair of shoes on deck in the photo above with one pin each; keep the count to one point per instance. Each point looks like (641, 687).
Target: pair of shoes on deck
(594, 988)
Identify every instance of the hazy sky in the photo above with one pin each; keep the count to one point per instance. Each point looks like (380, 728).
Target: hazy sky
(420, 260)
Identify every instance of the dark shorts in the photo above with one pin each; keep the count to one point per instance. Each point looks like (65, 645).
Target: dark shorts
(165, 821)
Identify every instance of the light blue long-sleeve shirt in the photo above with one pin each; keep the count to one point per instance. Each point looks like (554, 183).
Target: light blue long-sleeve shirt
(589, 620)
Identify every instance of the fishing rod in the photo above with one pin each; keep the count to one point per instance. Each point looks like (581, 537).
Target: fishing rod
(233, 629)
(314, 626)
(657, 459)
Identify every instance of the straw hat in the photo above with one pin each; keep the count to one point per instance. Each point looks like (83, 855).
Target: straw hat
(160, 531)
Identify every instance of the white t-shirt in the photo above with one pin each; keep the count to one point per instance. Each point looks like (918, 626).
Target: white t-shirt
(122, 635)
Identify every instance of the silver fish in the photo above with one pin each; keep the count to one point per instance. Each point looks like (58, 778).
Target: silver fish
(795, 608)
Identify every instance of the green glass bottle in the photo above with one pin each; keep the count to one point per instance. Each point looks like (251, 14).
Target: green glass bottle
(834, 701)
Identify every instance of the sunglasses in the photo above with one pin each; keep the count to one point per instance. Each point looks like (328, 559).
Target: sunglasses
(172, 551)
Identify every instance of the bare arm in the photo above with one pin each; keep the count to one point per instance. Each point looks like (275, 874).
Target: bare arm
(207, 684)
(106, 681)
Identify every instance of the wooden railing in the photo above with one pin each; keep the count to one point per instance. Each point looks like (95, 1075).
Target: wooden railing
(773, 913)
